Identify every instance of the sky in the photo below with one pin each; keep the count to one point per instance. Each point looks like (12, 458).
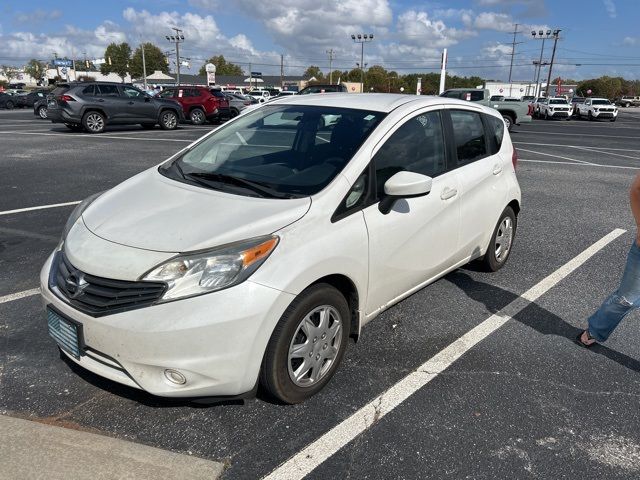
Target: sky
(598, 37)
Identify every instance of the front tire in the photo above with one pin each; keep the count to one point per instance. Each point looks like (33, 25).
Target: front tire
(42, 112)
(93, 122)
(501, 242)
(9, 105)
(168, 120)
(307, 345)
(590, 116)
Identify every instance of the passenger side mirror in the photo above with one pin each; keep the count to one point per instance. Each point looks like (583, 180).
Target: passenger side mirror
(404, 185)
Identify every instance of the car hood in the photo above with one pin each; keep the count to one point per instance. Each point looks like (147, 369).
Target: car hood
(152, 212)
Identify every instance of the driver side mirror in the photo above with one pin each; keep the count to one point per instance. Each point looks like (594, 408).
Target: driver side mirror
(404, 185)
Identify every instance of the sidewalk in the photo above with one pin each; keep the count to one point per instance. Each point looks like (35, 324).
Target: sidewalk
(36, 451)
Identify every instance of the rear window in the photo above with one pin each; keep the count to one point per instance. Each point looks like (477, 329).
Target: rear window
(90, 90)
(60, 89)
(468, 132)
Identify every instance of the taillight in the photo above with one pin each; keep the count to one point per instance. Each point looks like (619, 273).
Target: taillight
(530, 111)
(514, 158)
(66, 98)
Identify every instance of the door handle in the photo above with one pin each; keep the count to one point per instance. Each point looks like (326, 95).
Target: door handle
(101, 99)
(497, 169)
(448, 193)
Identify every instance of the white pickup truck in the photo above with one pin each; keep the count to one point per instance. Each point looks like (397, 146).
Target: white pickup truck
(555, 107)
(595, 108)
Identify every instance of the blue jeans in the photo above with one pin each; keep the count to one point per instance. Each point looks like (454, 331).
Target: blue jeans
(621, 302)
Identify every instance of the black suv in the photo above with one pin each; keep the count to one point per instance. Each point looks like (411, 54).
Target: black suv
(94, 105)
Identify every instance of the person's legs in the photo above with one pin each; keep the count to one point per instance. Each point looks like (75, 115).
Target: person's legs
(620, 303)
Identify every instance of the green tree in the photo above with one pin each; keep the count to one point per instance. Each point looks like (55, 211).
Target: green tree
(117, 58)
(222, 67)
(35, 69)
(313, 71)
(153, 57)
(9, 72)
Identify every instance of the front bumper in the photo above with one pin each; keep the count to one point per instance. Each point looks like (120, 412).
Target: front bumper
(216, 340)
(605, 114)
(559, 114)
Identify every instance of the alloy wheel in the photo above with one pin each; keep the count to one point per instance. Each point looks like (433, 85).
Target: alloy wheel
(95, 122)
(169, 120)
(42, 112)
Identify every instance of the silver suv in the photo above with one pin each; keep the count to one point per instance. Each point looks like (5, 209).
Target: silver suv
(91, 106)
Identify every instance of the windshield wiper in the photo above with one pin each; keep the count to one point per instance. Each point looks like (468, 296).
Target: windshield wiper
(257, 187)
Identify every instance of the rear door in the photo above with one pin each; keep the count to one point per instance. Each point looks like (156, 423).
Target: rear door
(481, 170)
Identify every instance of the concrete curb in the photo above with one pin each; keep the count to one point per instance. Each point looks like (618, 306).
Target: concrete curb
(37, 451)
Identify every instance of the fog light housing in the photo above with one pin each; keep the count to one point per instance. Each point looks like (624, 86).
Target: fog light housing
(175, 376)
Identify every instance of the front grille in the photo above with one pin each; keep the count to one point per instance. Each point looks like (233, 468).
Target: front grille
(99, 296)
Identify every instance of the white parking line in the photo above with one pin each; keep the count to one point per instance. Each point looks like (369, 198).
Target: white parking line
(624, 167)
(574, 146)
(19, 295)
(40, 207)
(588, 149)
(520, 132)
(304, 462)
(99, 136)
(556, 156)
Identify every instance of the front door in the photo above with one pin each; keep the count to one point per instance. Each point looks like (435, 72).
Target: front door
(138, 105)
(418, 239)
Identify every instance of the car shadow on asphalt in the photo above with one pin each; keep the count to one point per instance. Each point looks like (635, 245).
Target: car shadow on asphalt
(533, 316)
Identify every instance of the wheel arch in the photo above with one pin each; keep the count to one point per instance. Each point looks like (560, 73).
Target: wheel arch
(348, 289)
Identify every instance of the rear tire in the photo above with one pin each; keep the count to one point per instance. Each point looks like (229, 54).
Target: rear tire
(197, 116)
(42, 112)
(501, 242)
(93, 122)
(613, 119)
(508, 121)
(234, 113)
(168, 120)
(9, 105)
(304, 350)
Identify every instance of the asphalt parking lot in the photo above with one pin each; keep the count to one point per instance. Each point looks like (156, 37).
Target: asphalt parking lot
(524, 402)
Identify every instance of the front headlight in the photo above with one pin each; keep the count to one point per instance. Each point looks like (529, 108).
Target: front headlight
(195, 274)
(77, 213)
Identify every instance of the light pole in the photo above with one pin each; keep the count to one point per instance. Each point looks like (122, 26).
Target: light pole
(556, 34)
(542, 35)
(362, 39)
(178, 38)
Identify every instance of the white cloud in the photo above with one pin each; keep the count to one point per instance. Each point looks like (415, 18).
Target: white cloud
(610, 7)
(501, 22)
(631, 41)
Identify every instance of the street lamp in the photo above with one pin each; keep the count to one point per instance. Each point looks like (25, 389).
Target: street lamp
(544, 35)
(362, 39)
(178, 38)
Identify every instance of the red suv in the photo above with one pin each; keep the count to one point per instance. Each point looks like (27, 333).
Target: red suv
(199, 103)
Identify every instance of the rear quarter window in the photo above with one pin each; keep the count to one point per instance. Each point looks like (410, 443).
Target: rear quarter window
(495, 129)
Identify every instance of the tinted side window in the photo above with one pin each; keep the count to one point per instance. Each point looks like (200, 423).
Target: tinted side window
(108, 91)
(451, 94)
(132, 92)
(417, 146)
(496, 133)
(468, 134)
(476, 96)
(167, 93)
(90, 90)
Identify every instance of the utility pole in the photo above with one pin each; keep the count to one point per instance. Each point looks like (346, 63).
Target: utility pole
(331, 53)
(362, 39)
(556, 34)
(543, 36)
(443, 71)
(144, 67)
(513, 54)
(178, 38)
(281, 70)
(250, 77)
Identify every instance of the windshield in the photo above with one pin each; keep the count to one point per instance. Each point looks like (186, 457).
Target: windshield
(600, 102)
(558, 102)
(276, 151)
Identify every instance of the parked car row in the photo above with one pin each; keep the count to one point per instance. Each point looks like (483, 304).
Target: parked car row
(92, 106)
(578, 107)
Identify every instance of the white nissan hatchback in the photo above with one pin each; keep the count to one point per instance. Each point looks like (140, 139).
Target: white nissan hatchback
(251, 256)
